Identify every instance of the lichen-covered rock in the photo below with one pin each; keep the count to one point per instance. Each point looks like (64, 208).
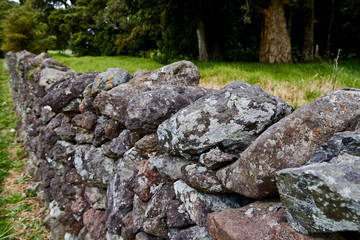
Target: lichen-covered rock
(52, 71)
(96, 197)
(85, 120)
(120, 145)
(259, 220)
(119, 199)
(83, 136)
(193, 233)
(145, 236)
(99, 135)
(215, 159)
(291, 142)
(94, 221)
(202, 179)
(148, 145)
(61, 93)
(148, 109)
(232, 118)
(127, 232)
(199, 205)
(182, 73)
(144, 180)
(92, 166)
(78, 207)
(66, 132)
(156, 226)
(177, 215)
(109, 79)
(139, 213)
(322, 197)
(348, 142)
(169, 166)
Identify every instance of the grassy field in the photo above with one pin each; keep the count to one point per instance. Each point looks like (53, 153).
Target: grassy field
(17, 220)
(297, 84)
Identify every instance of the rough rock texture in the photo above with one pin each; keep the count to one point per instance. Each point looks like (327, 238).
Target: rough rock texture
(169, 166)
(109, 79)
(291, 142)
(215, 159)
(177, 216)
(199, 205)
(92, 166)
(193, 233)
(231, 118)
(94, 221)
(322, 197)
(348, 142)
(259, 220)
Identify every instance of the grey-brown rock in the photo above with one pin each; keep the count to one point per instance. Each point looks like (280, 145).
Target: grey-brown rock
(199, 205)
(182, 73)
(148, 109)
(51, 72)
(259, 220)
(290, 143)
(202, 179)
(112, 129)
(232, 118)
(99, 136)
(145, 236)
(109, 79)
(215, 158)
(78, 207)
(148, 145)
(85, 120)
(92, 166)
(121, 144)
(169, 166)
(322, 197)
(83, 136)
(193, 233)
(66, 132)
(157, 226)
(347, 142)
(119, 198)
(177, 215)
(94, 221)
(159, 202)
(96, 197)
(139, 213)
(127, 230)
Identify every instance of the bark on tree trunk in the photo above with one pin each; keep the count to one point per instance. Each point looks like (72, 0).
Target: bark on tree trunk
(275, 46)
(308, 47)
(200, 32)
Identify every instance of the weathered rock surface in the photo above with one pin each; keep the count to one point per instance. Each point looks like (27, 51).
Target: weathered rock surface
(259, 220)
(85, 120)
(215, 159)
(169, 166)
(348, 142)
(120, 145)
(92, 166)
(231, 118)
(94, 221)
(177, 215)
(109, 79)
(202, 179)
(148, 109)
(193, 233)
(96, 197)
(290, 143)
(199, 205)
(322, 197)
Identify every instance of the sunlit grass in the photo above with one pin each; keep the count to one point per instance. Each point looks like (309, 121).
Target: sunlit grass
(298, 84)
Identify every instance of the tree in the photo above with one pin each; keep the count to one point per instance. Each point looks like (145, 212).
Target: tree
(21, 29)
(4, 6)
(308, 46)
(275, 46)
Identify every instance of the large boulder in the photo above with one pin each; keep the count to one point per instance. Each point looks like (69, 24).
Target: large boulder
(51, 71)
(232, 118)
(322, 197)
(291, 142)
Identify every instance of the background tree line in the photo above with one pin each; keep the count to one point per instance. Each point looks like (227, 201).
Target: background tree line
(232, 30)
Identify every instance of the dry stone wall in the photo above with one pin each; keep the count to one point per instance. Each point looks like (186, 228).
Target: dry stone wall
(154, 156)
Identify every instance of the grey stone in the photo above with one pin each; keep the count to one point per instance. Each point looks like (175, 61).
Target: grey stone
(147, 110)
(290, 143)
(92, 166)
(120, 145)
(182, 73)
(322, 197)
(96, 197)
(177, 215)
(66, 132)
(83, 136)
(109, 79)
(85, 120)
(232, 118)
(94, 221)
(69, 236)
(202, 179)
(156, 226)
(119, 198)
(348, 142)
(48, 76)
(169, 166)
(199, 205)
(33, 189)
(193, 233)
(139, 213)
(73, 106)
(215, 158)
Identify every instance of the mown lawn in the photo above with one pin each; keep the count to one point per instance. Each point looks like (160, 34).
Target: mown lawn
(298, 84)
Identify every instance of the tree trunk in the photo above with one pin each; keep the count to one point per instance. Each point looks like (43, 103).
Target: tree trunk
(329, 31)
(200, 32)
(308, 47)
(275, 46)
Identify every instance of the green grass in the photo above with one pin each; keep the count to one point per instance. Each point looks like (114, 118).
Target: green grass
(298, 84)
(12, 206)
